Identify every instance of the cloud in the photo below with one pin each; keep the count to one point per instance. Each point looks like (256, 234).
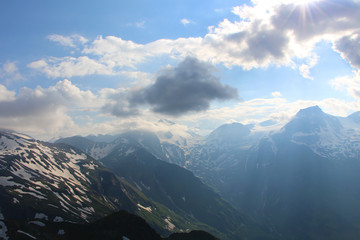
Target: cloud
(351, 84)
(48, 112)
(185, 21)
(140, 24)
(68, 41)
(266, 33)
(258, 110)
(71, 66)
(276, 94)
(45, 100)
(117, 102)
(349, 47)
(305, 68)
(9, 73)
(278, 32)
(5, 94)
(43, 110)
(188, 87)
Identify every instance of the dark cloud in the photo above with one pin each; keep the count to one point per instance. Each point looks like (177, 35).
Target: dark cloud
(117, 103)
(190, 86)
(119, 109)
(349, 47)
(267, 43)
(319, 18)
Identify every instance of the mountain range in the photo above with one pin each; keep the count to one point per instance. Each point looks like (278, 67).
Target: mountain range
(299, 181)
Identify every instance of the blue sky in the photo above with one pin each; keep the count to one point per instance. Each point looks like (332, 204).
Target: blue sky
(91, 67)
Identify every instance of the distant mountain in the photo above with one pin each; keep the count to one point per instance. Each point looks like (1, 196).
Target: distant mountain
(95, 149)
(167, 151)
(107, 138)
(221, 150)
(229, 133)
(302, 180)
(61, 182)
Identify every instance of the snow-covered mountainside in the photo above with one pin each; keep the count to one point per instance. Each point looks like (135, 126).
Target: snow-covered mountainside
(60, 182)
(55, 178)
(326, 135)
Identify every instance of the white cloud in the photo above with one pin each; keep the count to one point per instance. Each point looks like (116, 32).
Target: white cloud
(351, 84)
(68, 41)
(276, 94)
(43, 110)
(185, 21)
(266, 33)
(71, 66)
(305, 68)
(5, 94)
(140, 24)
(9, 73)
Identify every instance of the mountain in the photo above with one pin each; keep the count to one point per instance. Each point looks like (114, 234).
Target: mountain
(119, 225)
(299, 180)
(134, 156)
(182, 192)
(302, 179)
(93, 148)
(61, 182)
(171, 148)
(229, 133)
(222, 149)
(107, 138)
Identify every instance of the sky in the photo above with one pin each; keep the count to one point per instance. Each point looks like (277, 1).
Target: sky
(104, 67)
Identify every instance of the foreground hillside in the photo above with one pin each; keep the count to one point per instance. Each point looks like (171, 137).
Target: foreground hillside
(120, 225)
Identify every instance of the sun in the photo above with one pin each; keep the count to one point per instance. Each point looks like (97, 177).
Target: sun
(304, 2)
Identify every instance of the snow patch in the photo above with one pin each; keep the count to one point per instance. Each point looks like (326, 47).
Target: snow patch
(38, 223)
(22, 136)
(145, 208)
(58, 219)
(35, 193)
(129, 151)
(27, 234)
(90, 166)
(41, 216)
(7, 182)
(3, 228)
(170, 226)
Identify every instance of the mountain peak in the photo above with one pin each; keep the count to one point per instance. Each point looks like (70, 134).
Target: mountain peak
(166, 122)
(312, 120)
(310, 112)
(14, 133)
(355, 117)
(231, 133)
